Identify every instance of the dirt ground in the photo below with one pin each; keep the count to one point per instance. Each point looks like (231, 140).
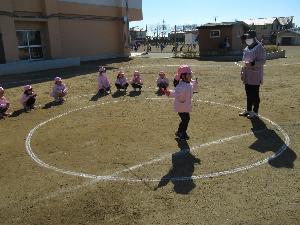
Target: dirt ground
(135, 171)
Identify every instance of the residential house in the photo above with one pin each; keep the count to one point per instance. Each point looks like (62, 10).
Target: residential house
(221, 38)
(288, 37)
(267, 28)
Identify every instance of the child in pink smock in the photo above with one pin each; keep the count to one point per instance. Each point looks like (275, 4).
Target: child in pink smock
(183, 100)
(136, 81)
(162, 82)
(28, 98)
(121, 81)
(59, 90)
(4, 104)
(103, 82)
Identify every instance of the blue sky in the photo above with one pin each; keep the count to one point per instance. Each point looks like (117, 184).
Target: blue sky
(182, 12)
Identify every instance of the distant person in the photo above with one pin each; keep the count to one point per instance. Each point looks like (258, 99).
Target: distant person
(4, 104)
(28, 98)
(162, 82)
(148, 48)
(136, 81)
(254, 58)
(121, 81)
(59, 90)
(103, 82)
(181, 48)
(183, 100)
(136, 47)
(161, 47)
(227, 43)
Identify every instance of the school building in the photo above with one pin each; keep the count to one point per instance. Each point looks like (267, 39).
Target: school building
(44, 34)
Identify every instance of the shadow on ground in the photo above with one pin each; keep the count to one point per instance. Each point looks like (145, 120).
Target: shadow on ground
(181, 172)
(270, 141)
(17, 80)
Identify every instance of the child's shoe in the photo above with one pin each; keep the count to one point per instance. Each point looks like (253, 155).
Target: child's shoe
(245, 113)
(252, 115)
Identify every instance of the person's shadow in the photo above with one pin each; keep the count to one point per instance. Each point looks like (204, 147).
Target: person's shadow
(134, 93)
(181, 171)
(118, 94)
(52, 104)
(17, 113)
(268, 140)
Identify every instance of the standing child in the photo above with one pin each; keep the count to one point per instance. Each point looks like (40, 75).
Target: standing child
(162, 82)
(121, 81)
(183, 100)
(103, 82)
(4, 104)
(28, 98)
(136, 81)
(59, 90)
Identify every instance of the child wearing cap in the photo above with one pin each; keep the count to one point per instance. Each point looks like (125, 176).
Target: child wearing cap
(162, 82)
(59, 90)
(103, 82)
(121, 81)
(183, 100)
(136, 81)
(28, 98)
(4, 104)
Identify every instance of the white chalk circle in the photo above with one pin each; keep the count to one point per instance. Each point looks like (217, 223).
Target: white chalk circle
(115, 176)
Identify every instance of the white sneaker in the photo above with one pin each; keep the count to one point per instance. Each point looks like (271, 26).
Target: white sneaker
(252, 115)
(245, 113)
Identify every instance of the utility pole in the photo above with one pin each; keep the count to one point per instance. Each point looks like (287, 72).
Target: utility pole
(157, 36)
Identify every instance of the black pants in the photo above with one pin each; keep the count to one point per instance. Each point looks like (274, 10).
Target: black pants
(134, 85)
(253, 100)
(162, 85)
(3, 110)
(183, 125)
(30, 102)
(103, 90)
(119, 86)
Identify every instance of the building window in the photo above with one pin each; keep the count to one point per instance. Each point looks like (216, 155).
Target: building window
(29, 44)
(215, 33)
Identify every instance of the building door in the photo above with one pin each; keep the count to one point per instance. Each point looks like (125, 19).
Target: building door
(286, 41)
(2, 55)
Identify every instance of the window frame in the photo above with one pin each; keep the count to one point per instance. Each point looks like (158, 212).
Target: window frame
(210, 33)
(28, 46)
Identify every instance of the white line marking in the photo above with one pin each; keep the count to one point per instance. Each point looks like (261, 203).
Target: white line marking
(113, 177)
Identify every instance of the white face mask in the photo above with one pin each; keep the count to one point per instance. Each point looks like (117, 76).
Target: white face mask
(249, 41)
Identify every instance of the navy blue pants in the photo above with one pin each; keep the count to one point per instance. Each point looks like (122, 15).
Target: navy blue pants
(183, 125)
(253, 100)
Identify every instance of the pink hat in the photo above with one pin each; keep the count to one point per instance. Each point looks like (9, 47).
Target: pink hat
(27, 87)
(101, 69)
(56, 79)
(1, 89)
(182, 70)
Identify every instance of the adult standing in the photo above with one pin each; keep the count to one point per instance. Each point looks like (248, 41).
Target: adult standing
(254, 58)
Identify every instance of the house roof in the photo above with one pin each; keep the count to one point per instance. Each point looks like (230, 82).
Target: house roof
(222, 24)
(285, 20)
(265, 21)
(293, 31)
(260, 21)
